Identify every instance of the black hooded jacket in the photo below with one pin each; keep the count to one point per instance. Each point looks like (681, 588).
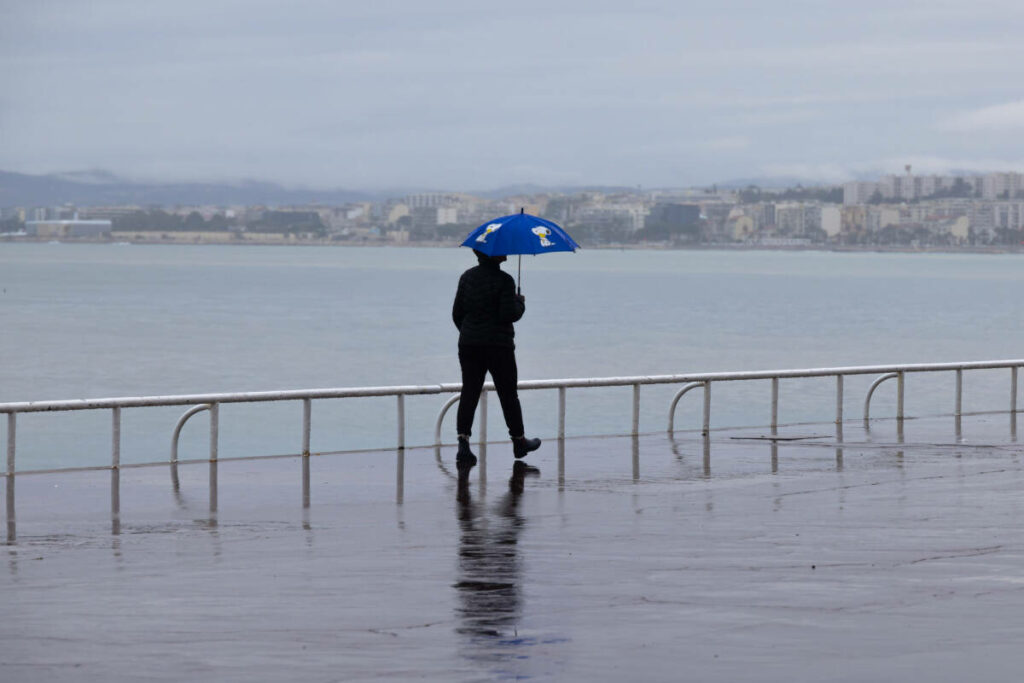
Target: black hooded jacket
(486, 305)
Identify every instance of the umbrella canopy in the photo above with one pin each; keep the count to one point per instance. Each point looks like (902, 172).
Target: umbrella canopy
(519, 233)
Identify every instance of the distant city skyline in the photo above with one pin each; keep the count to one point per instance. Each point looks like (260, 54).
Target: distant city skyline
(978, 211)
(460, 96)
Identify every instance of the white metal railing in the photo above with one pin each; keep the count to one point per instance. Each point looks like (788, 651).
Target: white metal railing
(211, 402)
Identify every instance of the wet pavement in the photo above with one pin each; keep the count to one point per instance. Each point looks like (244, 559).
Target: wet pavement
(874, 556)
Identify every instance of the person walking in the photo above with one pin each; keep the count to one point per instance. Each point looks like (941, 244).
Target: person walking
(486, 306)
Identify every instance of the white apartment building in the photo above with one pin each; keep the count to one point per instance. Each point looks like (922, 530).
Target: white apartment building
(629, 216)
(1002, 186)
(897, 187)
(1008, 215)
(789, 218)
(430, 200)
(447, 215)
(797, 218)
(909, 187)
(881, 217)
(858, 192)
(831, 220)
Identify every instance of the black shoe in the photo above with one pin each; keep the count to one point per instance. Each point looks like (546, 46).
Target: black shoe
(465, 458)
(520, 447)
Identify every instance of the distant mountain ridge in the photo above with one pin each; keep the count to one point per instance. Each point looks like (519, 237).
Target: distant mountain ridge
(98, 188)
(526, 189)
(781, 182)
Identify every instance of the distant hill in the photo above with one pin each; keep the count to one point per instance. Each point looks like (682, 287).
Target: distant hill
(98, 187)
(526, 189)
(773, 183)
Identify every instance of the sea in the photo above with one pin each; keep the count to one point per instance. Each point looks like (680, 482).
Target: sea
(108, 320)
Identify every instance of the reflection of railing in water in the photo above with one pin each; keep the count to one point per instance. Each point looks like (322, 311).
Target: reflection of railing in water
(211, 403)
(677, 448)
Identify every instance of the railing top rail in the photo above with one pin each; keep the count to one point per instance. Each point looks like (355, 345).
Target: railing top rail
(238, 397)
(767, 374)
(354, 392)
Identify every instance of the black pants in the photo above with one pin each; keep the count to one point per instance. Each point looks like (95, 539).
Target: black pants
(476, 362)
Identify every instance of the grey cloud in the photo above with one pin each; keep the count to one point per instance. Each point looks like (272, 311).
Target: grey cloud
(997, 118)
(457, 94)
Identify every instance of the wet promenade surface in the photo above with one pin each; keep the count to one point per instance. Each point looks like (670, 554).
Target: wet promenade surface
(801, 559)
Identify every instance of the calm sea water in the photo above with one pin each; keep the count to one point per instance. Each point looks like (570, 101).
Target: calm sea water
(81, 321)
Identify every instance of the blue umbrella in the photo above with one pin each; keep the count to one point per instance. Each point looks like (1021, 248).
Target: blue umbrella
(519, 233)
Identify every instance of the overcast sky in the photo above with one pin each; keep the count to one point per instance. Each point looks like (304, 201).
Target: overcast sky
(466, 95)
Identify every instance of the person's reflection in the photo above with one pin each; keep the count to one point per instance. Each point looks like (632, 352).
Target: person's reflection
(489, 579)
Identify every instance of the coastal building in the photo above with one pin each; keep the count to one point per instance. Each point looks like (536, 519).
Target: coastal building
(739, 226)
(957, 228)
(447, 215)
(897, 187)
(72, 228)
(789, 219)
(854, 220)
(628, 218)
(1002, 186)
(858, 192)
(831, 221)
(981, 217)
(395, 212)
(670, 220)
(424, 220)
(764, 216)
(910, 187)
(108, 212)
(881, 217)
(431, 200)
(358, 212)
(1008, 215)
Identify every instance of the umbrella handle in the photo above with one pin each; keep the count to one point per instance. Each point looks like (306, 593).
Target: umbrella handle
(519, 278)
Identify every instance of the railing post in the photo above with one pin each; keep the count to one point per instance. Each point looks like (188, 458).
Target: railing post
(401, 421)
(775, 405)
(214, 429)
(115, 501)
(12, 530)
(958, 411)
(839, 399)
(561, 412)
(399, 476)
(1013, 403)
(636, 458)
(307, 424)
(706, 429)
(115, 457)
(11, 431)
(636, 409)
(483, 420)
(899, 395)
(305, 491)
(1013, 389)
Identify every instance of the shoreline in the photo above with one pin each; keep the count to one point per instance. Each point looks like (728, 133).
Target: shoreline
(445, 244)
